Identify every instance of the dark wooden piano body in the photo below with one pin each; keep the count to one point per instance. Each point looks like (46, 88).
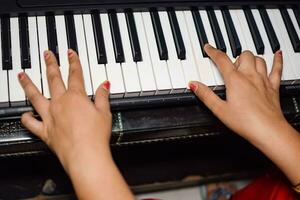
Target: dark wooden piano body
(154, 140)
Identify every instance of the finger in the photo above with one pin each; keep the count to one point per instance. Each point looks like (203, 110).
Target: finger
(33, 125)
(220, 58)
(75, 81)
(102, 97)
(208, 97)
(247, 62)
(261, 67)
(55, 82)
(39, 102)
(275, 75)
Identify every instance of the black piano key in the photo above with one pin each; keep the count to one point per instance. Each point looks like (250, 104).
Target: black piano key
(6, 43)
(216, 30)
(71, 32)
(231, 32)
(296, 11)
(133, 36)
(24, 42)
(159, 36)
(200, 30)
(180, 48)
(270, 30)
(116, 36)
(52, 36)
(290, 29)
(258, 42)
(99, 40)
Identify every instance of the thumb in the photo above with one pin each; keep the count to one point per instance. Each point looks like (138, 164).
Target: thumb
(33, 125)
(208, 97)
(102, 97)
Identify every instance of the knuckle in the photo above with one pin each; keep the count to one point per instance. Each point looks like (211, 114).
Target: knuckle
(247, 53)
(219, 55)
(53, 75)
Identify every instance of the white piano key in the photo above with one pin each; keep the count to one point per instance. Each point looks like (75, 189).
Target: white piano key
(129, 67)
(62, 47)
(211, 41)
(3, 81)
(82, 52)
(43, 44)
(243, 30)
(285, 43)
(190, 68)
(224, 33)
(113, 69)
(204, 65)
(16, 92)
(268, 54)
(160, 68)
(98, 71)
(145, 70)
(35, 71)
(174, 65)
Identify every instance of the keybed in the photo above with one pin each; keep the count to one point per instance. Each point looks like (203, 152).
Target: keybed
(143, 53)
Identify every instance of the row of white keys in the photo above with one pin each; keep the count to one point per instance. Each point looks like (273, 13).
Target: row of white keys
(160, 68)
(62, 47)
(145, 68)
(173, 63)
(43, 44)
(204, 65)
(82, 52)
(3, 80)
(210, 37)
(285, 43)
(191, 70)
(129, 67)
(113, 69)
(16, 93)
(35, 71)
(98, 71)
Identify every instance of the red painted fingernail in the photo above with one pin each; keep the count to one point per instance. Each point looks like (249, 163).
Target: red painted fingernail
(280, 53)
(193, 87)
(106, 85)
(70, 53)
(21, 75)
(46, 54)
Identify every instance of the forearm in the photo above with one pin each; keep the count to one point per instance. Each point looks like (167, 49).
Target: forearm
(95, 176)
(281, 143)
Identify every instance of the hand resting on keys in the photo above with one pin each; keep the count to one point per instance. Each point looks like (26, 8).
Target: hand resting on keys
(252, 108)
(76, 129)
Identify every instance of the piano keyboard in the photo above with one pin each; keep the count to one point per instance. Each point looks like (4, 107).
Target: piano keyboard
(143, 53)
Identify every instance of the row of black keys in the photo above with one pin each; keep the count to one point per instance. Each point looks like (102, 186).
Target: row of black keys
(160, 40)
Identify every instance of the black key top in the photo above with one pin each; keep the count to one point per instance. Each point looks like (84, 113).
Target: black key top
(6, 43)
(51, 33)
(290, 29)
(269, 29)
(297, 14)
(231, 32)
(24, 42)
(259, 45)
(133, 36)
(180, 48)
(216, 30)
(200, 30)
(99, 40)
(116, 36)
(71, 32)
(159, 35)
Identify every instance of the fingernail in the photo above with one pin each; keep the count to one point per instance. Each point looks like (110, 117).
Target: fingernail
(70, 53)
(280, 53)
(106, 85)
(193, 87)
(46, 55)
(21, 75)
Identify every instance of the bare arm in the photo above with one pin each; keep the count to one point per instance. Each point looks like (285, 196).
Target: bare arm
(252, 107)
(77, 130)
